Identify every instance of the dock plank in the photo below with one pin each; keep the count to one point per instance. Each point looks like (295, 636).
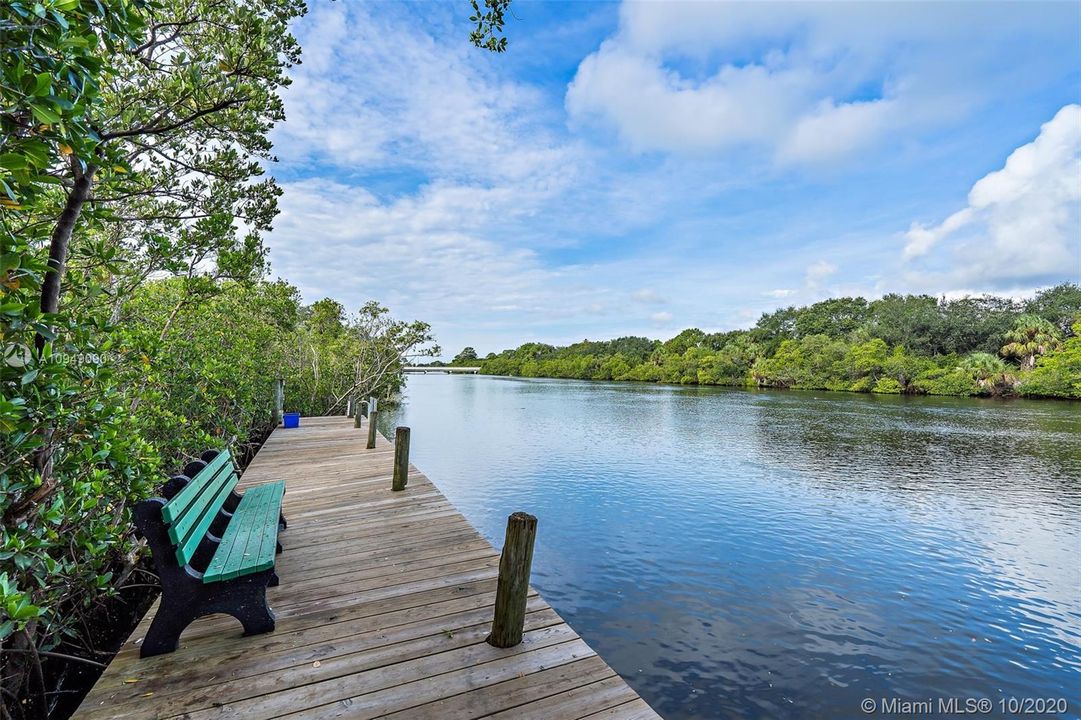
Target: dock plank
(384, 604)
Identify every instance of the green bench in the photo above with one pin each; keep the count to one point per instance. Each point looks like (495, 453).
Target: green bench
(214, 549)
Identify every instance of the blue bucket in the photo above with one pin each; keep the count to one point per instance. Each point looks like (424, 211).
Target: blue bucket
(291, 420)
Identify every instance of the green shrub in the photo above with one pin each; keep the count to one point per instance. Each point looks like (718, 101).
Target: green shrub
(864, 384)
(888, 385)
(946, 381)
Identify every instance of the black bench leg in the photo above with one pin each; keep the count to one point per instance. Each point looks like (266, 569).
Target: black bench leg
(274, 580)
(164, 633)
(253, 612)
(281, 521)
(245, 599)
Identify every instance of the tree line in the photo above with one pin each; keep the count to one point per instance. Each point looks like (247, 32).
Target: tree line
(914, 344)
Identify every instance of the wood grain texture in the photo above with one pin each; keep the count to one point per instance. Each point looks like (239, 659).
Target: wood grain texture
(385, 602)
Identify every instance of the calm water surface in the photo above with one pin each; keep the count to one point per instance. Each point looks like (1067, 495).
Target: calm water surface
(739, 554)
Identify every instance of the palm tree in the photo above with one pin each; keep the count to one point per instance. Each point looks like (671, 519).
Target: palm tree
(989, 372)
(1030, 337)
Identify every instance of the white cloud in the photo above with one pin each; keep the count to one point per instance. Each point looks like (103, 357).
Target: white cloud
(648, 296)
(802, 82)
(818, 272)
(419, 254)
(831, 130)
(655, 109)
(779, 293)
(1022, 222)
(661, 319)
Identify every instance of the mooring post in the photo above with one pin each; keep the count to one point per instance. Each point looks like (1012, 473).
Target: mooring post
(373, 405)
(512, 587)
(401, 459)
(279, 400)
(373, 415)
(357, 416)
(349, 406)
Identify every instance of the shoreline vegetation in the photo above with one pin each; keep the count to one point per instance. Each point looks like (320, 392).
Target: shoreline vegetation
(899, 344)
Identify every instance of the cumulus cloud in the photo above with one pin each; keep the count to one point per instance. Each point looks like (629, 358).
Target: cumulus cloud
(1021, 223)
(802, 82)
(648, 296)
(661, 319)
(818, 272)
(419, 254)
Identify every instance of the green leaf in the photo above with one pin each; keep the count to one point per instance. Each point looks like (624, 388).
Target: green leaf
(43, 84)
(60, 20)
(36, 152)
(44, 114)
(12, 161)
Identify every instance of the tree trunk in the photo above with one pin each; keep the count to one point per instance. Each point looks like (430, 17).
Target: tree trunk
(58, 246)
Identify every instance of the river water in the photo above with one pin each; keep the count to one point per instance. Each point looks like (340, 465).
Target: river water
(743, 554)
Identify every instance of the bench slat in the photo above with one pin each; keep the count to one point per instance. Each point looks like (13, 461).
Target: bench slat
(269, 530)
(209, 489)
(192, 527)
(264, 536)
(184, 499)
(250, 541)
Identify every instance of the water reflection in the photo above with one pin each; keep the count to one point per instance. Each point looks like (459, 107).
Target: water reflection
(771, 554)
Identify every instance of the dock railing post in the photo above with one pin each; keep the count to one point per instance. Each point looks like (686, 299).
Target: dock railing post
(349, 406)
(512, 587)
(357, 416)
(279, 401)
(373, 416)
(401, 458)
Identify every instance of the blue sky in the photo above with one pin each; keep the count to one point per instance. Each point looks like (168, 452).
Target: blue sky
(639, 168)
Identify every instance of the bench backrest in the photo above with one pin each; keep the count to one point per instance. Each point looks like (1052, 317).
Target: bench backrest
(192, 510)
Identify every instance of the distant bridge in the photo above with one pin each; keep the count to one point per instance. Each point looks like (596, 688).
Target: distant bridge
(446, 370)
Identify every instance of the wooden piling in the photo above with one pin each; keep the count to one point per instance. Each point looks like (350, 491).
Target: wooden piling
(349, 410)
(401, 459)
(357, 418)
(512, 587)
(279, 401)
(373, 416)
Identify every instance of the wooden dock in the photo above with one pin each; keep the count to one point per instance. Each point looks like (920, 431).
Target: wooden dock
(384, 605)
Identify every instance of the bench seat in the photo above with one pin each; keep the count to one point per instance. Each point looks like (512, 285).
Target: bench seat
(251, 538)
